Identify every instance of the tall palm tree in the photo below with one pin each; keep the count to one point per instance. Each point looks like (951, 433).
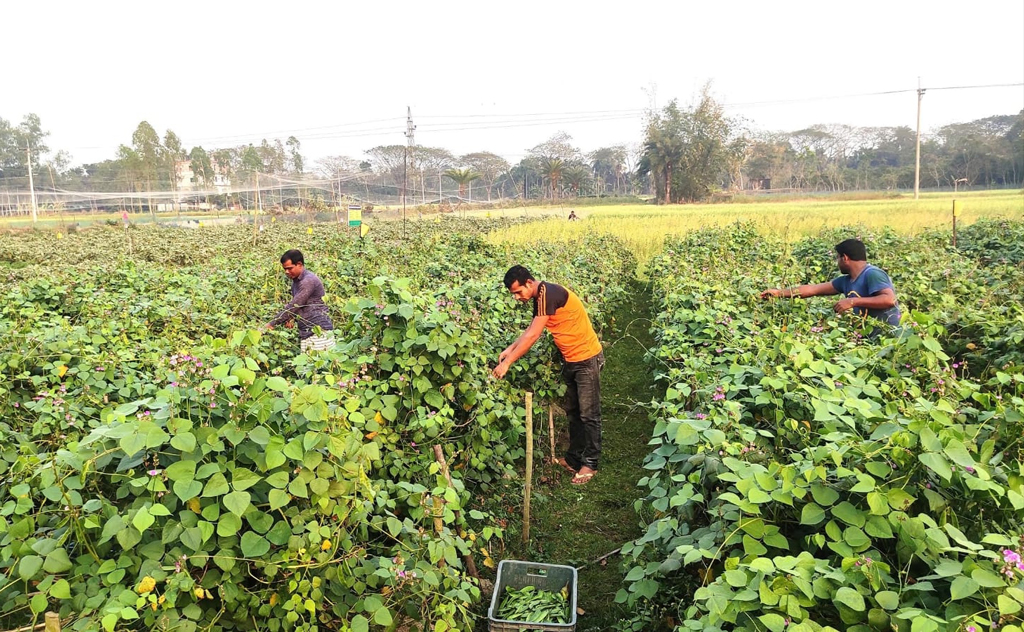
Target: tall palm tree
(552, 169)
(577, 177)
(462, 177)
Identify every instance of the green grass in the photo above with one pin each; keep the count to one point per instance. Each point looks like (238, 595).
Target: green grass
(576, 525)
(644, 227)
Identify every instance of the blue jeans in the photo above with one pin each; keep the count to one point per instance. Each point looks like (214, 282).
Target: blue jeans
(583, 408)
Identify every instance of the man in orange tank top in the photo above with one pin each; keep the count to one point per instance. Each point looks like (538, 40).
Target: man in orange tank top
(561, 312)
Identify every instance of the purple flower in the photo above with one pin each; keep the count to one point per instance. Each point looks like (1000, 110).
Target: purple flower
(1011, 557)
(153, 472)
(971, 628)
(970, 470)
(718, 396)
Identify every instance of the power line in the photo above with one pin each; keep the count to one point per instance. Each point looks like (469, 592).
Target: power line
(867, 94)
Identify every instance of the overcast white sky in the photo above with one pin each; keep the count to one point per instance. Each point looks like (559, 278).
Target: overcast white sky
(222, 73)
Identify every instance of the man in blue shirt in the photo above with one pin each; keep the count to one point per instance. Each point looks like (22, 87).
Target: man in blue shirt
(867, 289)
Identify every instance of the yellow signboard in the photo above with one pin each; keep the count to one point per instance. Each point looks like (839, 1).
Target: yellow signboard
(957, 208)
(355, 216)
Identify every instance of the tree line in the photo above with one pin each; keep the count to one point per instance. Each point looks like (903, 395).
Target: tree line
(685, 154)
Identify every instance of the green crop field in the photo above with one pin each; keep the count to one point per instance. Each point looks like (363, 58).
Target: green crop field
(167, 463)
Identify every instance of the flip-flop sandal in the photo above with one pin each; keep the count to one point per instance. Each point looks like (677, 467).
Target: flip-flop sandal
(582, 479)
(565, 465)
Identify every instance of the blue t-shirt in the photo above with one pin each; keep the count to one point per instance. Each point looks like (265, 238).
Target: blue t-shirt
(869, 282)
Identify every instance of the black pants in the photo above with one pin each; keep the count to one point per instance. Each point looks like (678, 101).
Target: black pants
(583, 408)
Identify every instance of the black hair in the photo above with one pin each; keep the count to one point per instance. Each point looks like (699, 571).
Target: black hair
(852, 248)
(295, 256)
(517, 274)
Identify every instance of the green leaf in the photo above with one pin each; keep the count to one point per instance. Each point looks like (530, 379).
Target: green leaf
(29, 566)
(923, 624)
(244, 375)
(360, 624)
(143, 520)
(61, 589)
(899, 499)
(187, 490)
(275, 456)
(957, 453)
(185, 441)
(394, 526)
(949, 568)
(936, 463)
(382, 617)
(228, 525)
(878, 503)
(237, 502)
(736, 578)
(57, 561)
(849, 514)
(823, 495)
(278, 499)
(987, 578)
(38, 603)
(888, 599)
(851, 598)
(254, 545)
(181, 470)
(856, 538)
(811, 514)
(962, 587)
(1007, 606)
(757, 496)
(277, 383)
(109, 621)
(242, 479)
(216, 486)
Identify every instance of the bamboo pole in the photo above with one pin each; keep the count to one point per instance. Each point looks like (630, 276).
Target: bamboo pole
(551, 431)
(529, 468)
(439, 457)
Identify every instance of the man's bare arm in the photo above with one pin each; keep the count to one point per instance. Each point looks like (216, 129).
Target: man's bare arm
(802, 291)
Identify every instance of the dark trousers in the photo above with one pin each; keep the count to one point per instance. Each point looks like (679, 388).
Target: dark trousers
(583, 408)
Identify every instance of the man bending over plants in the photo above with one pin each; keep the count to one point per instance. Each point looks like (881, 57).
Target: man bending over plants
(307, 306)
(867, 289)
(562, 313)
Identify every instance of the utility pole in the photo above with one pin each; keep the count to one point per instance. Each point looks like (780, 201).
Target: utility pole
(917, 159)
(410, 140)
(31, 184)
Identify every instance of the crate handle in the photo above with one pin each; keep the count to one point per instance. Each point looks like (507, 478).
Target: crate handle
(537, 572)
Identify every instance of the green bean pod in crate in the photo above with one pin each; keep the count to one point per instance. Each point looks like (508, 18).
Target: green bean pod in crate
(544, 584)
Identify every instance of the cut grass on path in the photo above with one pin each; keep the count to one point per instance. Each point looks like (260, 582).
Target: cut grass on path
(575, 525)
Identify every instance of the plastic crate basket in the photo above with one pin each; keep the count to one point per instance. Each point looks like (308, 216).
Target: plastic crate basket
(516, 575)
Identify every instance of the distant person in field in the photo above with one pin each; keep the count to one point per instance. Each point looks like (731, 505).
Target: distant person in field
(562, 313)
(865, 288)
(307, 306)
(572, 216)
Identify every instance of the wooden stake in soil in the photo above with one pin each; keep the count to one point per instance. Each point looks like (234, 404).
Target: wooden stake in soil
(529, 468)
(52, 622)
(551, 431)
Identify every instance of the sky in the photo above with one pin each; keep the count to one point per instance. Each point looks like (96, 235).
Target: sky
(499, 77)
